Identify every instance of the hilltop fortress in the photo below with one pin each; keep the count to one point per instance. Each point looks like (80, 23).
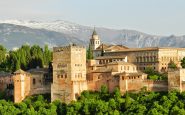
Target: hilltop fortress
(113, 66)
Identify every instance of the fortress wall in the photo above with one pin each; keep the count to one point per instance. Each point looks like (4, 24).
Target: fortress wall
(91, 85)
(131, 85)
(138, 84)
(96, 85)
(100, 83)
(4, 81)
(158, 85)
(112, 84)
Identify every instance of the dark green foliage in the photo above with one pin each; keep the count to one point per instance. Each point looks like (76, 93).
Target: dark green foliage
(172, 65)
(154, 75)
(102, 51)
(25, 58)
(89, 53)
(2, 58)
(92, 103)
(183, 62)
(2, 54)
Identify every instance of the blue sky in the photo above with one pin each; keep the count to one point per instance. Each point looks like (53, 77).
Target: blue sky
(158, 17)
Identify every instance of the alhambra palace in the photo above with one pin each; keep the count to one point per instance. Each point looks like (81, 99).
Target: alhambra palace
(113, 66)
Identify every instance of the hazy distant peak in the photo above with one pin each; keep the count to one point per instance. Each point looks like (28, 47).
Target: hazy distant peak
(14, 33)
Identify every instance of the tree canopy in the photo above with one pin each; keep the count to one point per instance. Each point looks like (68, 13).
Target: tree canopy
(26, 57)
(154, 75)
(103, 103)
(172, 65)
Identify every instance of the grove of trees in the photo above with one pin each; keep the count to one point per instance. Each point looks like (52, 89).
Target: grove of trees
(25, 58)
(154, 75)
(101, 103)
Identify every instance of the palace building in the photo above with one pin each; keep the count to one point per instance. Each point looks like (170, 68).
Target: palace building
(154, 57)
(114, 66)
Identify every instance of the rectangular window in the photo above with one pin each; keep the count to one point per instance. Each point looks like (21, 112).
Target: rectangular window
(127, 67)
(34, 81)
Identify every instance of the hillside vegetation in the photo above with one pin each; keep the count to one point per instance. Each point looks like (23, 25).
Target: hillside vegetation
(102, 103)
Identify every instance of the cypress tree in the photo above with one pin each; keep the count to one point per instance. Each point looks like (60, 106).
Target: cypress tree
(89, 53)
(102, 51)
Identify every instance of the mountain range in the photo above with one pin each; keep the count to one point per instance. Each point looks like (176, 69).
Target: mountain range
(14, 33)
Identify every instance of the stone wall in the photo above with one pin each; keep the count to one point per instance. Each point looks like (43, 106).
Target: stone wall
(6, 83)
(156, 85)
(131, 85)
(137, 84)
(91, 86)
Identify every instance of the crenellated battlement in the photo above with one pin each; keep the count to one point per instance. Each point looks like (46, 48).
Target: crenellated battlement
(67, 48)
(148, 80)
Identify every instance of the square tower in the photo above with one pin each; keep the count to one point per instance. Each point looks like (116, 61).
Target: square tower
(176, 79)
(69, 72)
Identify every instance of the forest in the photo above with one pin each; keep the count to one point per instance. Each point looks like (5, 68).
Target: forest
(25, 58)
(101, 103)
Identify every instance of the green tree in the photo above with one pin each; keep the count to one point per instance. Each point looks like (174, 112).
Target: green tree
(153, 77)
(112, 104)
(102, 50)
(183, 62)
(2, 54)
(47, 56)
(117, 93)
(172, 65)
(89, 53)
(127, 100)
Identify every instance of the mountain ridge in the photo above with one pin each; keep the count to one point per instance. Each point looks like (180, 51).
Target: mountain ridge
(64, 32)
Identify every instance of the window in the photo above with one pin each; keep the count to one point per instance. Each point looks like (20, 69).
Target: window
(127, 67)
(65, 75)
(78, 75)
(75, 75)
(34, 81)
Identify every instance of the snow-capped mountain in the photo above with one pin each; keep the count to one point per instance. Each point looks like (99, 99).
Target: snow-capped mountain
(14, 33)
(58, 25)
